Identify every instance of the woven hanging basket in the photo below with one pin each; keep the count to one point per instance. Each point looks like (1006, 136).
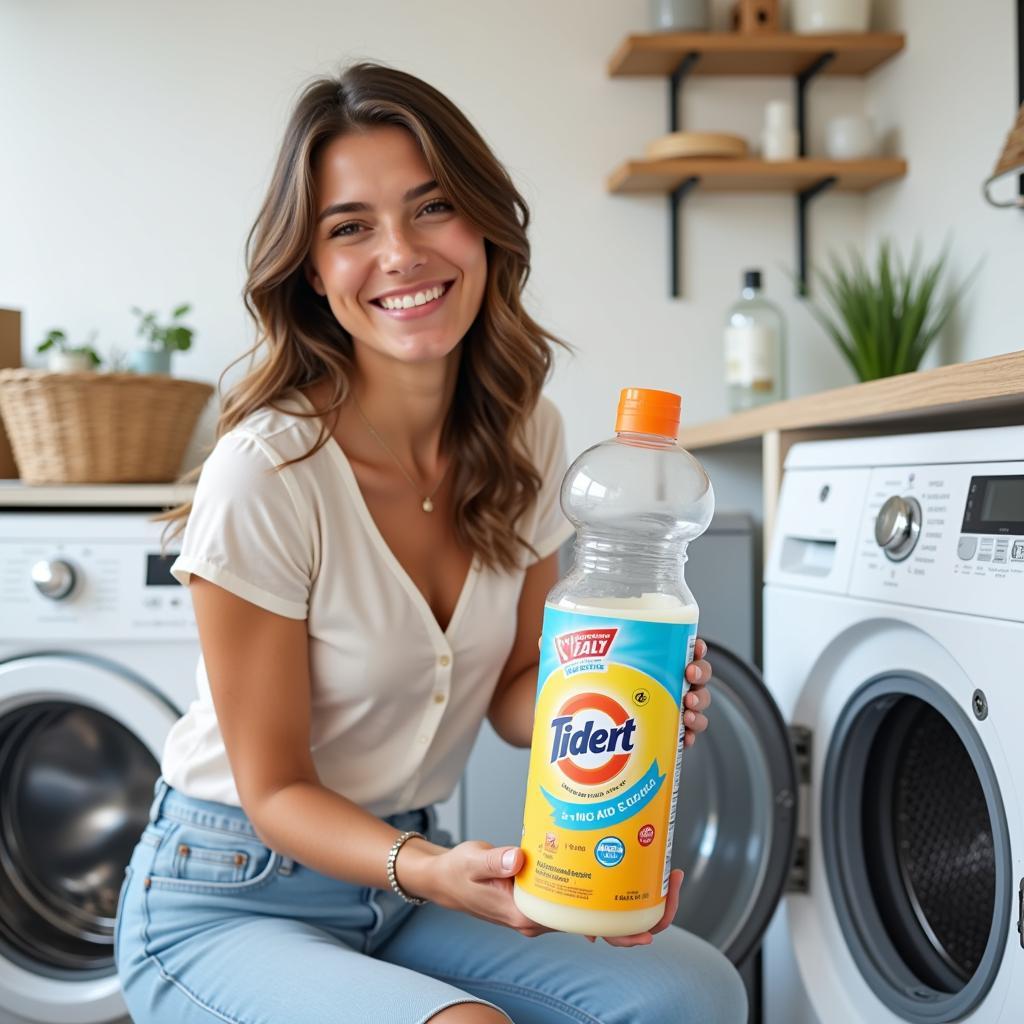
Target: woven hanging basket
(1011, 161)
(99, 427)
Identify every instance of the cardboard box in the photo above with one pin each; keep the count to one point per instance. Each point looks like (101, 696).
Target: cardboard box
(10, 356)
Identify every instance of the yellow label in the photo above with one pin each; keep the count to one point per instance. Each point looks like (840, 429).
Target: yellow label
(604, 764)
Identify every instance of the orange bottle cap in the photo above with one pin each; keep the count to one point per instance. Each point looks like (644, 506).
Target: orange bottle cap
(645, 411)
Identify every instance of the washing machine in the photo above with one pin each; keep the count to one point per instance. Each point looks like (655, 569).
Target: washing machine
(98, 651)
(894, 647)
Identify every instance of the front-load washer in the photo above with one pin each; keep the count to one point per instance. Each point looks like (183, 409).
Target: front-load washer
(98, 651)
(894, 645)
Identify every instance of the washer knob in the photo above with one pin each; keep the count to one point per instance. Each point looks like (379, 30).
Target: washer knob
(898, 526)
(53, 579)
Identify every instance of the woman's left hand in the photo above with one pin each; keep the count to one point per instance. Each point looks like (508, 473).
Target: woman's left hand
(697, 699)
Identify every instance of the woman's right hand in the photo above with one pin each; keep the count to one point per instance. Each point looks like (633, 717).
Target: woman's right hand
(473, 877)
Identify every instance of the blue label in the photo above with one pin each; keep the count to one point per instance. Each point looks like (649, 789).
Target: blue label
(580, 816)
(609, 851)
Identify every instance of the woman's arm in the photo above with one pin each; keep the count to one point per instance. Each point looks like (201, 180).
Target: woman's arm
(258, 666)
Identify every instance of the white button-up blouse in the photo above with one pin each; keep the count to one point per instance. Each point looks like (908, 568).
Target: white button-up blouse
(396, 701)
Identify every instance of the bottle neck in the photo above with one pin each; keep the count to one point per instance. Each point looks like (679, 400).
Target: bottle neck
(619, 558)
(749, 292)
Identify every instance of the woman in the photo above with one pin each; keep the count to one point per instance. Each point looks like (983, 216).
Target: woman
(368, 552)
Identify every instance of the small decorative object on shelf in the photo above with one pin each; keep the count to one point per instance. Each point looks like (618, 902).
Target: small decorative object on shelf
(163, 341)
(850, 137)
(755, 16)
(754, 348)
(817, 16)
(779, 140)
(66, 358)
(884, 323)
(678, 15)
(704, 144)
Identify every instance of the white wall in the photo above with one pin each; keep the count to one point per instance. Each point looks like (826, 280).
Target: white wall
(136, 140)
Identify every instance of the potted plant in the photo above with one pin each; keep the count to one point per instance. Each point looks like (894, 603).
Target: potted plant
(884, 323)
(65, 358)
(162, 340)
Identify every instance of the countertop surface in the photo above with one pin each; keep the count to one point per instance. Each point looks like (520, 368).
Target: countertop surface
(987, 390)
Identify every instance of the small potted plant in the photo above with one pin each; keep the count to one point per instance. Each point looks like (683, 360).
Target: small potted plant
(66, 358)
(884, 322)
(162, 340)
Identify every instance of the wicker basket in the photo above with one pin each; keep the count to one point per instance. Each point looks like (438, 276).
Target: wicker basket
(99, 427)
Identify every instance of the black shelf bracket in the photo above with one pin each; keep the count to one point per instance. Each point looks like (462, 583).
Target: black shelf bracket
(676, 196)
(675, 85)
(675, 201)
(803, 79)
(803, 199)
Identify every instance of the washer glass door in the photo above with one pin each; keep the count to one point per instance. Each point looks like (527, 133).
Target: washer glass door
(736, 817)
(79, 742)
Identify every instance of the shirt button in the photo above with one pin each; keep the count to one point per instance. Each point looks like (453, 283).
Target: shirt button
(438, 698)
(444, 661)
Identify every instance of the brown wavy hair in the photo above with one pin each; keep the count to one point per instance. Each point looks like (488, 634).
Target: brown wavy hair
(506, 357)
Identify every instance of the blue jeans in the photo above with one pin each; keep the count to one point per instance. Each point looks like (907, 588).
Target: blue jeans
(214, 926)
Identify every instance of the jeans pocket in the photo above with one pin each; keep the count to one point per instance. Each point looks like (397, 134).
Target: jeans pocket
(196, 858)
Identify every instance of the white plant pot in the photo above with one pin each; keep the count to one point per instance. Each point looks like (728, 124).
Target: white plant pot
(822, 16)
(68, 362)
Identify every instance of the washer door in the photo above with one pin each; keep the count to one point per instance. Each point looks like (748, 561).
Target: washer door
(79, 746)
(917, 848)
(737, 817)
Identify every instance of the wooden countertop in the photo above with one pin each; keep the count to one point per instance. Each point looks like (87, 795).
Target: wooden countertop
(16, 494)
(986, 392)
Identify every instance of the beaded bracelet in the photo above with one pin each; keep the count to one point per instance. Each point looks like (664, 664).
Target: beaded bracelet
(392, 857)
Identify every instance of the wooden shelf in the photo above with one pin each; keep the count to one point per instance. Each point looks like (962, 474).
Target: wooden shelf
(986, 392)
(753, 175)
(735, 53)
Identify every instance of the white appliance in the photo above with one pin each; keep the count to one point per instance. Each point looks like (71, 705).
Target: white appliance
(98, 651)
(894, 643)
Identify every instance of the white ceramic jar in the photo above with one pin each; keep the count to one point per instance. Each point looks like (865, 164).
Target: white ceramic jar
(819, 16)
(778, 139)
(678, 15)
(850, 137)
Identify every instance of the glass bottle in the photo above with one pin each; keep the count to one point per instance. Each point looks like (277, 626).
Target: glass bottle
(754, 348)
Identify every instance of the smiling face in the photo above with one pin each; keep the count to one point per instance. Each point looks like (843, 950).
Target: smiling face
(386, 235)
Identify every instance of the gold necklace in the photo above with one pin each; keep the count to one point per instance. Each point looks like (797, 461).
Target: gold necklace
(427, 504)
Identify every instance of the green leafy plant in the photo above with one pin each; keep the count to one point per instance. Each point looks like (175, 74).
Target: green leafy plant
(884, 322)
(57, 340)
(169, 337)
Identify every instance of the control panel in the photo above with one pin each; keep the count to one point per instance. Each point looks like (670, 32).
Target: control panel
(944, 536)
(88, 576)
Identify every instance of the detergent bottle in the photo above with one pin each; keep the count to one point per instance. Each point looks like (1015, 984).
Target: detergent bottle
(619, 631)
